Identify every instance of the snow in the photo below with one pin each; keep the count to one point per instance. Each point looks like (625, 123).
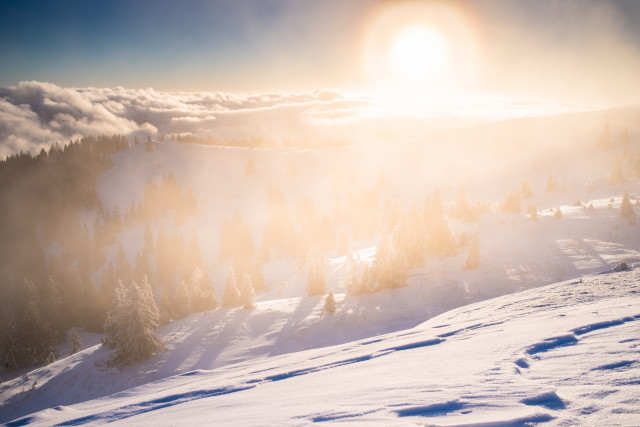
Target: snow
(543, 331)
(565, 353)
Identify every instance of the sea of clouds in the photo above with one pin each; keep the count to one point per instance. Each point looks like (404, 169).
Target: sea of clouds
(35, 115)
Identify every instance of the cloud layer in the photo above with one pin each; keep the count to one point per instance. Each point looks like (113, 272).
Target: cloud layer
(35, 115)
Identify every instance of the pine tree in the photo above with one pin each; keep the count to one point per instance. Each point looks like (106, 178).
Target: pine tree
(557, 214)
(148, 146)
(552, 184)
(231, 296)
(11, 354)
(130, 324)
(532, 211)
(473, 260)
(203, 297)
(36, 337)
(76, 344)
(352, 282)
(316, 281)
(247, 292)
(512, 203)
(525, 189)
(330, 303)
(257, 277)
(617, 174)
(389, 269)
(626, 209)
(124, 268)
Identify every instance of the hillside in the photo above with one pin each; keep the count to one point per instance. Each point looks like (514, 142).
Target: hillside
(162, 202)
(565, 353)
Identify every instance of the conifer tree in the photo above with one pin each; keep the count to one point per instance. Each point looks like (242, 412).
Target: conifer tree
(552, 184)
(617, 174)
(525, 189)
(11, 354)
(76, 344)
(330, 303)
(203, 296)
(557, 214)
(626, 209)
(473, 260)
(130, 325)
(124, 268)
(231, 296)
(247, 292)
(316, 281)
(36, 338)
(390, 268)
(258, 277)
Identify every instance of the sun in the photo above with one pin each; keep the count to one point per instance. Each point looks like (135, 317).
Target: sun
(418, 54)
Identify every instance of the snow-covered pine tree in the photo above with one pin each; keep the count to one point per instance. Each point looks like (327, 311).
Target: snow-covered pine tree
(130, 325)
(231, 296)
(626, 209)
(10, 351)
(390, 268)
(473, 260)
(352, 280)
(316, 281)
(247, 293)
(36, 337)
(112, 334)
(552, 185)
(203, 296)
(76, 344)
(557, 214)
(330, 303)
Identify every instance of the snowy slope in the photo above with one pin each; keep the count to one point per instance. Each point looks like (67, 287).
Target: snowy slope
(376, 359)
(565, 353)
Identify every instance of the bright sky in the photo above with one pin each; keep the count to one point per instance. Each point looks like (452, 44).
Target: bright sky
(583, 50)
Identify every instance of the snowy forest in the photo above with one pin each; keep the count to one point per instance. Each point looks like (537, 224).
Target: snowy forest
(64, 266)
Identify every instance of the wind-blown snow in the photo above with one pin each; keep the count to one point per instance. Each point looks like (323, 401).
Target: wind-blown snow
(566, 353)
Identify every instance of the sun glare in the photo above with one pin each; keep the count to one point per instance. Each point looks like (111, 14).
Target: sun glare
(418, 54)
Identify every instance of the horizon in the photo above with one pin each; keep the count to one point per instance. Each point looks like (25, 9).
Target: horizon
(290, 69)
(574, 51)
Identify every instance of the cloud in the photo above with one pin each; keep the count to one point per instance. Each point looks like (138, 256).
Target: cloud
(36, 115)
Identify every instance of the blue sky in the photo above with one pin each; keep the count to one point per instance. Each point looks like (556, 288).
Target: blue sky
(264, 45)
(175, 45)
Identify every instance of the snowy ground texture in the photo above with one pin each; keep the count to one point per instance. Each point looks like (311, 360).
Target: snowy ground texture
(567, 353)
(563, 354)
